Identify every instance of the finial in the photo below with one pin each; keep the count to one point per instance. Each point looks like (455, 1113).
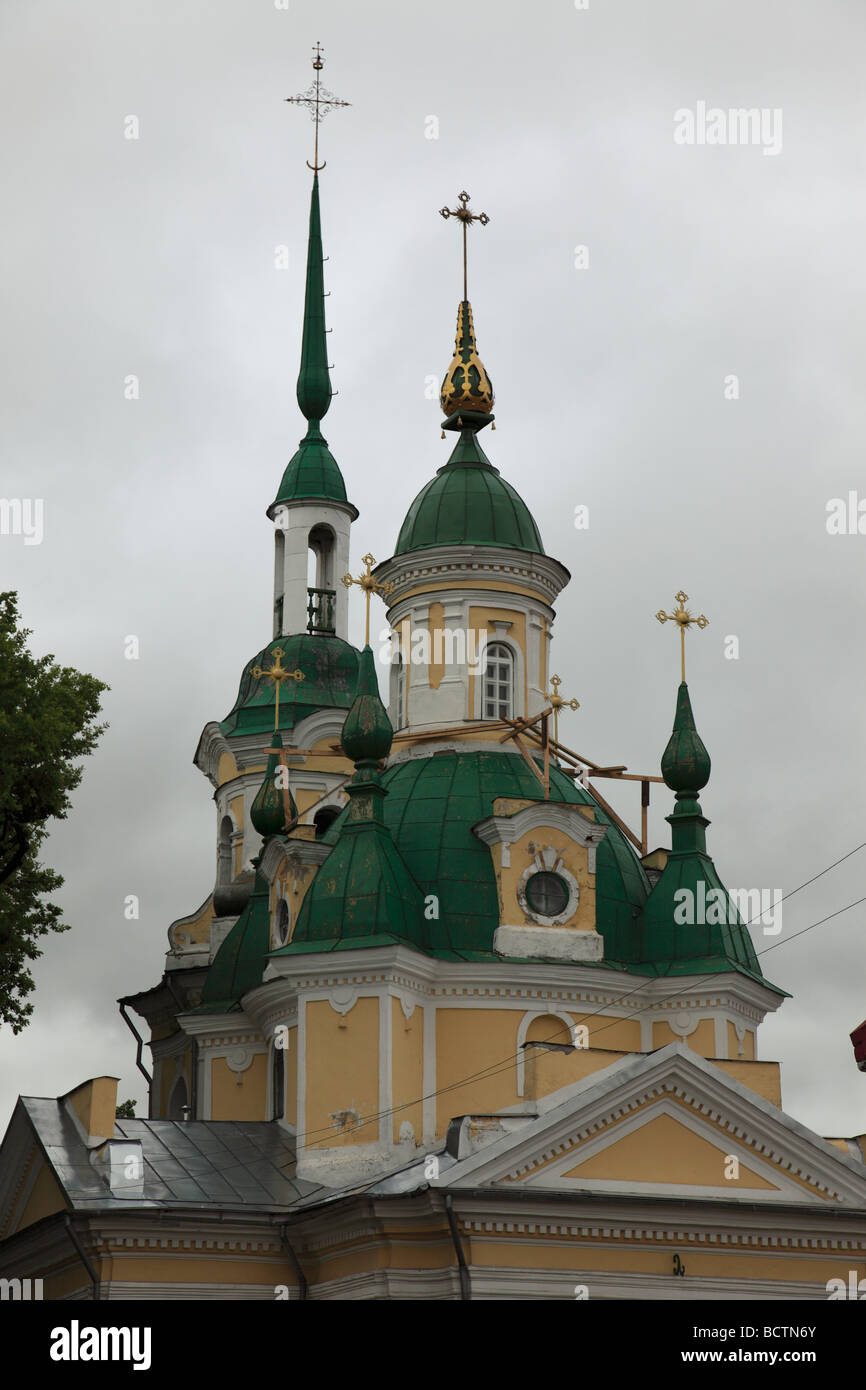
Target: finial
(685, 761)
(367, 731)
(319, 101)
(683, 618)
(370, 586)
(277, 673)
(465, 218)
(558, 702)
(467, 392)
(272, 813)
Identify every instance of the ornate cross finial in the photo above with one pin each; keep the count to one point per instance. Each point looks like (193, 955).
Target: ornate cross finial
(683, 618)
(370, 587)
(558, 703)
(319, 101)
(277, 673)
(466, 218)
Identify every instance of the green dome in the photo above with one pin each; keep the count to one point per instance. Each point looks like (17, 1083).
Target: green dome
(312, 472)
(685, 761)
(468, 503)
(330, 668)
(431, 807)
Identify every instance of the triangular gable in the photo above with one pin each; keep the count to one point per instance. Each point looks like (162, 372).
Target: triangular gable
(666, 1123)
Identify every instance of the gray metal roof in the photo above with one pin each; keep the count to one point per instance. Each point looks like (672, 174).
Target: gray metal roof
(221, 1164)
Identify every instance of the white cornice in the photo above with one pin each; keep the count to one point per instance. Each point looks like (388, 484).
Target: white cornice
(586, 1107)
(448, 565)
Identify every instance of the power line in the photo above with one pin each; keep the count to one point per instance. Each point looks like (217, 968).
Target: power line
(509, 1063)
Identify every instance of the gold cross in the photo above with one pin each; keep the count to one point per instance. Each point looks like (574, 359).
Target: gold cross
(683, 618)
(558, 703)
(466, 218)
(370, 587)
(287, 791)
(277, 673)
(319, 102)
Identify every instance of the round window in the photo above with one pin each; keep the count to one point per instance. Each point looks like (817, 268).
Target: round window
(547, 894)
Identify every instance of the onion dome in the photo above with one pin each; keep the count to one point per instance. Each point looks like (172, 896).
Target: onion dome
(330, 668)
(685, 761)
(468, 503)
(367, 732)
(273, 811)
(363, 894)
(466, 389)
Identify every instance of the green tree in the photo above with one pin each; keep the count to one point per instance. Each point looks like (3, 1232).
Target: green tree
(47, 722)
(125, 1110)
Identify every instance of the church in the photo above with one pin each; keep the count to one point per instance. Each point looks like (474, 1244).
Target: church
(441, 1028)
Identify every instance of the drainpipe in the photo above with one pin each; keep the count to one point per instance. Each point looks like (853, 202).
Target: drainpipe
(121, 1004)
(82, 1255)
(465, 1285)
(303, 1286)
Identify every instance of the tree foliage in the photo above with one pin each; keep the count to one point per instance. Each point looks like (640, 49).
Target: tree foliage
(48, 718)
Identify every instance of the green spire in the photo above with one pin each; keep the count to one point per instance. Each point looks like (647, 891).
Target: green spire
(268, 811)
(313, 471)
(363, 895)
(689, 924)
(314, 383)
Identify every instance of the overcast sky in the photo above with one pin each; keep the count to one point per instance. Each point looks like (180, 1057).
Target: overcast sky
(156, 257)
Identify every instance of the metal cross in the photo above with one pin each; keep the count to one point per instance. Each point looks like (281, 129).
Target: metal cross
(277, 673)
(683, 618)
(319, 101)
(558, 703)
(370, 587)
(466, 218)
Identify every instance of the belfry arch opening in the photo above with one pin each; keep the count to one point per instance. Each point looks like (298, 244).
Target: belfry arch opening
(321, 580)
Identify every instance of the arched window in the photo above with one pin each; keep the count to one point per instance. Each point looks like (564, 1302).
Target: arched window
(324, 819)
(498, 696)
(224, 851)
(399, 692)
(278, 1083)
(321, 583)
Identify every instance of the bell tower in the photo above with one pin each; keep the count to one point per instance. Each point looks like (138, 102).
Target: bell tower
(311, 512)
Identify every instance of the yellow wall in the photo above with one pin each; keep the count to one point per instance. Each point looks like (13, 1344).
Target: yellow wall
(227, 768)
(702, 1040)
(666, 1151)
(342, 1071)
(407, 1075)
(247, 1101)
(45, 1196)
(436, 628)
(291, 1056)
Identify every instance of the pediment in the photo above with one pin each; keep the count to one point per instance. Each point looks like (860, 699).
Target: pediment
(668, 1123)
